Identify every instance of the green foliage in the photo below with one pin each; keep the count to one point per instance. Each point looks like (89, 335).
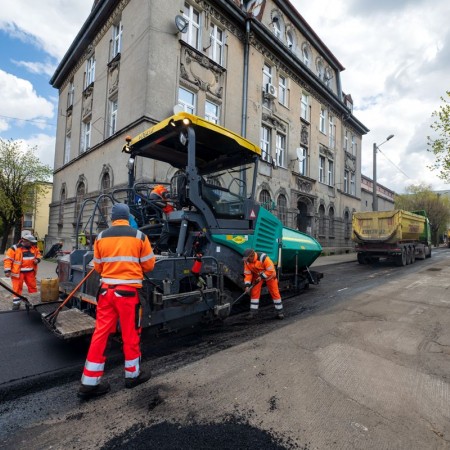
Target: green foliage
(21, 178)
(436, 206)
(441, 145)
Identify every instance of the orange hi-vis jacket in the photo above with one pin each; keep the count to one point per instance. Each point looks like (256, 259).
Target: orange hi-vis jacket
(159, 192)
(262, 266)
(122, 254)
(21, 259)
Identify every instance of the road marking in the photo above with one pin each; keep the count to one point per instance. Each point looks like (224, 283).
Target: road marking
(343, 289)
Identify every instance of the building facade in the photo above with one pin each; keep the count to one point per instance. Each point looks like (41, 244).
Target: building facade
(386, 197)
(255, 67)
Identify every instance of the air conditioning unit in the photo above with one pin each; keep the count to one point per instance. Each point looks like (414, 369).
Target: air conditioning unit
(270, 91)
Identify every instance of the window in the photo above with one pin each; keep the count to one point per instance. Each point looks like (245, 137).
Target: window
(323, 118)
(192, 37)
(265, 144)
(212, 112)
(331, 218)
(320, 70)
(321, 220)
(90, 71)
(332, 132)
(187, 100)
(302, 161)
(276, 27)
(330, 173)
(281, 150)
(67, 145)
(267, 75)
(346, 140)
(62, 200)
(282, 208)
(347, 225)
(265, 200)
(116, 40)
(85, 136)
(290, 39)
(306, 55)
(216, 44)
(322, 169)
(282, 90)
(352, 184)
(346, 181)
(305, 107)
(112, 121)
(328, 77)
(79, 199)
(354, 145)
(70, 94)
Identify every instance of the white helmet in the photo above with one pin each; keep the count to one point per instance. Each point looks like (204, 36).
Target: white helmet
(30, 238)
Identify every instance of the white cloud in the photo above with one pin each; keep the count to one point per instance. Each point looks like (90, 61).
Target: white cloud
(50, 24)
(46, 68)
(20, 100)
(45, 147)
(396, 55)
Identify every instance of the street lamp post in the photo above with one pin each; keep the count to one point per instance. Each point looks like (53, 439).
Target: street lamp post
(374, 181)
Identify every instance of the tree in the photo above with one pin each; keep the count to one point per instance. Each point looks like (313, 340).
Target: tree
(441, 145)
(436, 206)
(21, 178)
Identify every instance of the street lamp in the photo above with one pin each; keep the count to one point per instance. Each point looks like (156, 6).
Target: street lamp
(375, 198)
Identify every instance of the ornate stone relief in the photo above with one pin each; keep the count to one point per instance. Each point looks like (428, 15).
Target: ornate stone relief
(199, 70)
(304, 135)
(276, 123)
(350, 162)
(86, 109)
(304, 185)
(113, 81)
(326, 152)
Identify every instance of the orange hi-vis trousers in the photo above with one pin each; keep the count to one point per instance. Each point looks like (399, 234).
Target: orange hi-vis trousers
(28, 277)
(272, 286)
(118, 302)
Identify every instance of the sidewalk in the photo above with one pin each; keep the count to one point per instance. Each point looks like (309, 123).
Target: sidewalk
(334, 259)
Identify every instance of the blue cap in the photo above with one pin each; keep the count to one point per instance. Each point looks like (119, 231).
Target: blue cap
(120, 211)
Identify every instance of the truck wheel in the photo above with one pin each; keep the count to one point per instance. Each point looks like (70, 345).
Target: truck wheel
(400, 260)
(408, 256)
(413, 255)
(361, 259)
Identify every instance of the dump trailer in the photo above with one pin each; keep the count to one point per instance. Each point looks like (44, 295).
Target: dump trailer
(399, 235)
(199, 275)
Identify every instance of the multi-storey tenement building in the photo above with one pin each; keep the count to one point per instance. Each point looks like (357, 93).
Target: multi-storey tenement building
(255, 67)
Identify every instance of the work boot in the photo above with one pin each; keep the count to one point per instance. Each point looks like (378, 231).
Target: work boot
(279, 315)
(131, 383)
(86, 391)
(15, 305)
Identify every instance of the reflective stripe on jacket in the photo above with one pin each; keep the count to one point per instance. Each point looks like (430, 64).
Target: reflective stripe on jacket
(21, 259)
(122, 254)
(262, 266)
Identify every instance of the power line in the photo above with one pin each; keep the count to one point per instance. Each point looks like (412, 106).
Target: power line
(398, 168)
(43, 122)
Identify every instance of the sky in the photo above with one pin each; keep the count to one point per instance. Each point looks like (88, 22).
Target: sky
(396, 55)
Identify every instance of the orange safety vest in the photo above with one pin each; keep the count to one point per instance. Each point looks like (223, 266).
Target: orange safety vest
(123, 254)
(21, 259)
(262, 266)
(162, 194)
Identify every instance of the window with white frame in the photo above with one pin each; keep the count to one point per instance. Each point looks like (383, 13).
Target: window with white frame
(346, 140)
(67, 145)
(116, 40)
(70, 94)
(276, 27)
(354, 145)
(267, 75)
(281, 150)
(192, 16)
(332, 132)
(330, 178)
(216, 36)
(305, 107)
(112, 119)
(322, 169)
(306, 55)
(322, 120)
(265, 144)
(282, 90)
(352, 184)
(85, 136)
(302, 161)
(212, 112)
(90, 71)
(187, 100)
(346, 181)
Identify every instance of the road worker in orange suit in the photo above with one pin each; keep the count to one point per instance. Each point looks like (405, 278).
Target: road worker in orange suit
(20, 264)
(259, 268)
(122, 254)
(161, 197)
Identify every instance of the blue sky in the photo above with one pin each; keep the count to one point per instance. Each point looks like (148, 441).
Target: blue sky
(396, 55)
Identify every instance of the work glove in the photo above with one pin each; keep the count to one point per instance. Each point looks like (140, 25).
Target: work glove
(257, 280)
(37, 261)
(7, 274)
(248, 287)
